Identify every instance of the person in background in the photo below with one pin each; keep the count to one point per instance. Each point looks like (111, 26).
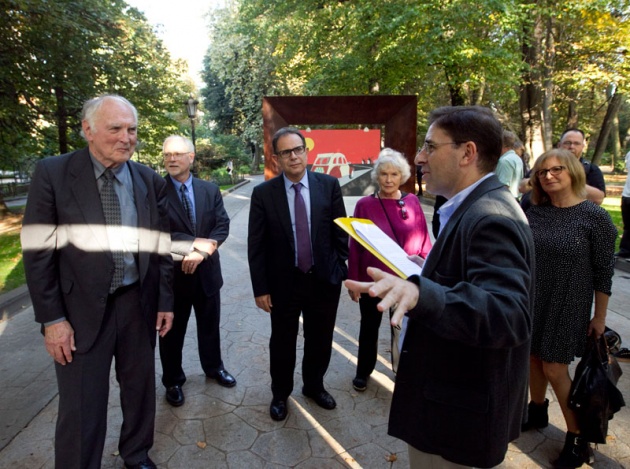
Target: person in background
(297, 261)
(574, 240)
(624, 245)
(199, 225)
(461, 385)
(521, 151)
(400, 216)
(95, 238)
(509, 169)
(574, 141)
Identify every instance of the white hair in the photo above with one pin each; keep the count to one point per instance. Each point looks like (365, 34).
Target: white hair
(387, 156)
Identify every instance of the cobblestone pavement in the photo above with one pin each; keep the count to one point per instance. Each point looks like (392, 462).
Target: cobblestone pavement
(231, 428)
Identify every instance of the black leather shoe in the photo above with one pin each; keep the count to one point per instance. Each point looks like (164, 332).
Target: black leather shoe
(174, 396)
(322, 399)
(359, 384)
(146, 464)
(278, 409)
(224, 378)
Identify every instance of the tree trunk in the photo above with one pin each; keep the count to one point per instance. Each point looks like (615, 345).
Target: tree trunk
(458, 97)
(255, 156)
(547, 78)
(62, 119)
(611, 112)
(530, 98)
(572, 114)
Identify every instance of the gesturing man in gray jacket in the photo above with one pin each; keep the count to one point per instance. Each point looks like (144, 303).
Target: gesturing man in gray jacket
(461, 384)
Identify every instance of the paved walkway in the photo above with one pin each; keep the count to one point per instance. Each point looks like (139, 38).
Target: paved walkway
(231, 428)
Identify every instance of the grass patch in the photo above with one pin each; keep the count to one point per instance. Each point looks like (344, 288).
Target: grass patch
(11, 266)
(613, 206)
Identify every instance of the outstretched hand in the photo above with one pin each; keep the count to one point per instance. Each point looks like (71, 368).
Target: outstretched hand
(395, 293)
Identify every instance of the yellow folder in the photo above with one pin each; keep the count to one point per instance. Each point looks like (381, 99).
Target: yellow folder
(345, 223)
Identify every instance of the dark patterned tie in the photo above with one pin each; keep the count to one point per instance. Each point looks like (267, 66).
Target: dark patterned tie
(187, 206)
(111, 210)
(305, 258)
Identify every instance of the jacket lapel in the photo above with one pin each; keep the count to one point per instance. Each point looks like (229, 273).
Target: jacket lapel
(140, 193)
(317, 198)
(280, 201)
(443, 239)
(200, 202)
(176, 204)
(85, 191)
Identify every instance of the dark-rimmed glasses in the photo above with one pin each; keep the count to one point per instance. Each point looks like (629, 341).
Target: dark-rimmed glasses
(299, 151)
(554, 170)
(430, 147)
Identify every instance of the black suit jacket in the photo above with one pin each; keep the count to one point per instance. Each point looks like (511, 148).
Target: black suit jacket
(67, 258)
(212, 222)
(461, 385)
(271, 247)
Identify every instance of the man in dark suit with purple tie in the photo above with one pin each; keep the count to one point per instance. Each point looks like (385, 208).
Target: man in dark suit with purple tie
(297, 261)
(199, 225)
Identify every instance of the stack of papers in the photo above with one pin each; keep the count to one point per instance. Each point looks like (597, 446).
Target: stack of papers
(372, 238)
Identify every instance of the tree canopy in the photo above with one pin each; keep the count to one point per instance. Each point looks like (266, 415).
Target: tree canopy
(543, 66)
(54, 55)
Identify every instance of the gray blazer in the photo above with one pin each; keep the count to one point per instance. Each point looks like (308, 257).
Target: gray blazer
(461, 386)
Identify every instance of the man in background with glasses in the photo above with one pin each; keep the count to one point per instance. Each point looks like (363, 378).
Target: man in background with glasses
(199, 225)
(297, 261)
(461, 386)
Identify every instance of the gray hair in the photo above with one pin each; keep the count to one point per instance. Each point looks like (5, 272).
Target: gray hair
(387, 156)
(92, 106)
(186, 140)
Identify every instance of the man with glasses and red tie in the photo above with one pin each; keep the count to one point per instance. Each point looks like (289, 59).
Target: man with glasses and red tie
(297, 259)
(199, 225)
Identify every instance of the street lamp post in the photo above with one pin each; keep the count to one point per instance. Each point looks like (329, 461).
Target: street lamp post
(191, 108)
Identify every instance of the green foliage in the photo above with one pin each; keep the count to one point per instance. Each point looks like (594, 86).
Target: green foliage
(445, 52)
(11, 266)
(613, 207)
(56, 55)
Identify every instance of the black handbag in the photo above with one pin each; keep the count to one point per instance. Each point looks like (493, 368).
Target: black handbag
(594, 395)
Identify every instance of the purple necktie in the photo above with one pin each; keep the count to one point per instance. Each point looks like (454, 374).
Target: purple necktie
(304, 256)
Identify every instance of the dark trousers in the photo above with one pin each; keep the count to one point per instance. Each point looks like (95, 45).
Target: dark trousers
(317, 301)
(84, 389)
(189, 293)
(368, 335)
(624, 245)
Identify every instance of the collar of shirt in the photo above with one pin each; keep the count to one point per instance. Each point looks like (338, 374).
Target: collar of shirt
(191, 193)
(454, 202)
(187, 183)
(121, 173)
(288, 184)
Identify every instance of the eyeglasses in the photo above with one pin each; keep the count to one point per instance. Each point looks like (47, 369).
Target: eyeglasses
(554, 170)
(403, 209)
(568, 143)
(177, 156)
(430, 147)
(299, 151)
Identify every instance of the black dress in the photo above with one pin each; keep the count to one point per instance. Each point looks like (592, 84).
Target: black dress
(574, 258)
